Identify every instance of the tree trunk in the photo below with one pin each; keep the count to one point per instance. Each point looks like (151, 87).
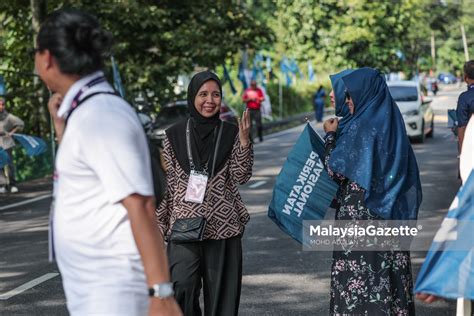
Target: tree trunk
(38, 13)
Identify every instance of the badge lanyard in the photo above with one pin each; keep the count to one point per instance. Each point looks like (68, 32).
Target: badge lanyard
(196, 188)
(90, 84)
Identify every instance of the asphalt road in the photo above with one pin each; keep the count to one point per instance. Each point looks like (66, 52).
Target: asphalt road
(279, 278)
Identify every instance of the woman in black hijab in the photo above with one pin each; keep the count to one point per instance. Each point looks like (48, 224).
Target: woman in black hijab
(202, 215)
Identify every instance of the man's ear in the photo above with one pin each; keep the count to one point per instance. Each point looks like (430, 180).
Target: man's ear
(49, 60)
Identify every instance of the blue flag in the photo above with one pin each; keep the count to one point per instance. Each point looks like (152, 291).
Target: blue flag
(295, 69)
(229, 79)
(242, 77)
(286, 70)
(117, 79)
(448, 270)
(310, 72)
(303, 189)
(3, 90)
(34, 146)
(3, 158)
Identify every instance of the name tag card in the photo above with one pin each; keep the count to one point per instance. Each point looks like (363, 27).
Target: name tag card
(196, 187)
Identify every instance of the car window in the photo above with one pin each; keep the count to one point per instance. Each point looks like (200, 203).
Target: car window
(404, 94)
(171, 114)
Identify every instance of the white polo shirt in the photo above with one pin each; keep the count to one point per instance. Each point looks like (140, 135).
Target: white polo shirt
(102, 159)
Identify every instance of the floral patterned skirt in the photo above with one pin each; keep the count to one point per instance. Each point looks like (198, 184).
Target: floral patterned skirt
(369, 282)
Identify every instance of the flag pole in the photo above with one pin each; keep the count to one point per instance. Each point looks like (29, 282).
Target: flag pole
(280, 97)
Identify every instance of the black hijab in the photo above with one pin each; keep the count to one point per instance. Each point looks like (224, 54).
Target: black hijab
(203, 132)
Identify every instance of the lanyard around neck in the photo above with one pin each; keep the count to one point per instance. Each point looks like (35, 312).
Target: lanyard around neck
(75, 101)
(189, 152)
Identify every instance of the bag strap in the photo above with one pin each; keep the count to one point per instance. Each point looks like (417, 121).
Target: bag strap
(216, 149)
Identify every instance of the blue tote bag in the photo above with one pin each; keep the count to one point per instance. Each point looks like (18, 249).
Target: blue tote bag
(303, 189)
(448, 270)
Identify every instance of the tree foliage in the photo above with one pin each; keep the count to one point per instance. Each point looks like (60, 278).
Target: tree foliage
(155, 41)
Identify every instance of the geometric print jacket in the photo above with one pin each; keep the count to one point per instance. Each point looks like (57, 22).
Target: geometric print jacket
(222, 207)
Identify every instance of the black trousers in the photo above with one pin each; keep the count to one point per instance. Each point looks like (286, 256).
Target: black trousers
(256, 115)
(215, 264)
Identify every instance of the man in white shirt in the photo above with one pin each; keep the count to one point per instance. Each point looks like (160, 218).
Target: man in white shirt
(109, 249)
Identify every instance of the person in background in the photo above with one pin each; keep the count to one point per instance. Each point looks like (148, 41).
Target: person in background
(253, 97)
(109, 251)
(465, 107)
(362, 162)
(9, 125)
(204, 147)
(319, 101)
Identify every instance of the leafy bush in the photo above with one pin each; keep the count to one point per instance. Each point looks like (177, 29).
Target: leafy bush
(28, 168)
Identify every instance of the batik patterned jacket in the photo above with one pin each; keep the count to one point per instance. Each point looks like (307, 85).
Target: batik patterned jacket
(222, 207)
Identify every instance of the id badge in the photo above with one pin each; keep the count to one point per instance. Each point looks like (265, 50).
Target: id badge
(196, 187)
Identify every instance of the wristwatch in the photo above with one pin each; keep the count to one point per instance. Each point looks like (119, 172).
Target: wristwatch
(161, 290)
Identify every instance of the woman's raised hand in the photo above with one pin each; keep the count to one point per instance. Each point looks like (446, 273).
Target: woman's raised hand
(244, 129)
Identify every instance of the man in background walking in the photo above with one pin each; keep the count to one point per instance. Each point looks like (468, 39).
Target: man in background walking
(465, 107)
(253, 97)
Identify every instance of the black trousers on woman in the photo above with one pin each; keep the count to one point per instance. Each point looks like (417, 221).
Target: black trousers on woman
(214, 265)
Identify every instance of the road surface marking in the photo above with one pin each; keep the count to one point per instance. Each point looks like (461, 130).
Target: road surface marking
(441, 118)
(27, 285)
(39, 198)
(257, 184)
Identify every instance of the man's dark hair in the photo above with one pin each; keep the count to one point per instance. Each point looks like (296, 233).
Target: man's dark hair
(469, 69)
(76, 41)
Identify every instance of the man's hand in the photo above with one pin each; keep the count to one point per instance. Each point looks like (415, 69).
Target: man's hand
(163, 307)
(427, 298)
(53, 107)
(330, 125)
(141, 213)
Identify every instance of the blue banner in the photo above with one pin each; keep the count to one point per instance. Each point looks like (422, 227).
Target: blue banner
(3, 158)
(448, 270)
(33, 146)
(241, 76)
(3, 90)
(117, 79)
(229, 79)
(303, 189)
(310, 72)
(286, 70)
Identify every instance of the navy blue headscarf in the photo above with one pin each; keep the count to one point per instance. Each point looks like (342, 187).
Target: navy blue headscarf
(374, 150)
(341, 108)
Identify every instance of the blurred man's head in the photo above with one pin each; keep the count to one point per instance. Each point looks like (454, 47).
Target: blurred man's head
(2, 104)
(469, 71)
(253, 84)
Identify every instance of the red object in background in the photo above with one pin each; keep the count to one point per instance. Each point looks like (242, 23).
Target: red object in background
(253, 94)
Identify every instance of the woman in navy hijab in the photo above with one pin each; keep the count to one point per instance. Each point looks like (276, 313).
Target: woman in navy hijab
(374, 164)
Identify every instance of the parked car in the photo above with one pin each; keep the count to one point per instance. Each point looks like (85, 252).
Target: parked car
(447, 78)
(175, 111)
(415, 108)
